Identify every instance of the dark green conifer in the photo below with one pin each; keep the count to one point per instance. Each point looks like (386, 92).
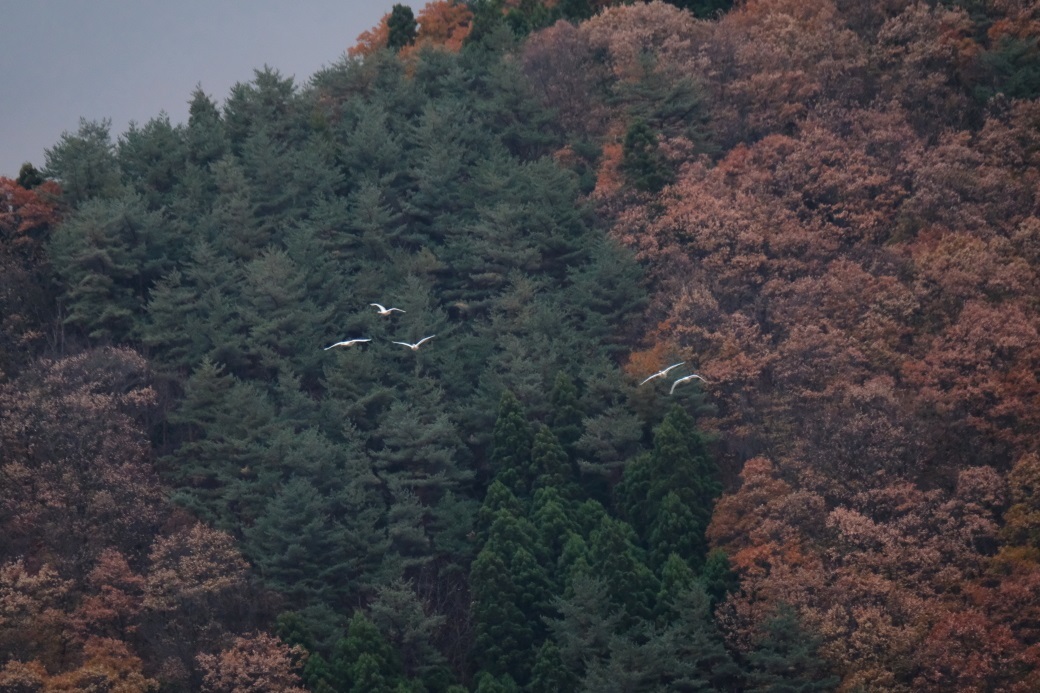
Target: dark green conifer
(233, 227)
(675, 530)
(402, 27)
(108, 254)
(641, 161)
(29, 177)
(692, 655)
(205, 138)
(613, 556)
(498, 497)
(222, 465)
(785, 658)
(717, 577)
(269, 102)
(549, 674)
(152, 158)
(511, 445)
(550, 466)
(676, 577)
(501, 629)
(408, 627)
(554, 526)
(565, 413)
(298, 548)
(363, 658)
(84, 163)
(489, 683)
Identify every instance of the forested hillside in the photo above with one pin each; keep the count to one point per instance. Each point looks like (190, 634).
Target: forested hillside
(826, 209)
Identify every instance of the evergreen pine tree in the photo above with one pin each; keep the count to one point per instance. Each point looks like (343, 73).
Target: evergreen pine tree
(232, 225)
(204, 137)
(418, 446)
(785, 659)
(268, 102)
(84, 163)
(575, 10)
(298, 548)
(152, 158)
(693, 655)
(222, 463)
(632, 495)
(173, 329)
(587, 624)
(407, 626)
(609, 296)
(108, 254)
(285, 326)
(676, 578)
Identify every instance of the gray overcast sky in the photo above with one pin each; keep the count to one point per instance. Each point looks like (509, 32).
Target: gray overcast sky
(131, 59)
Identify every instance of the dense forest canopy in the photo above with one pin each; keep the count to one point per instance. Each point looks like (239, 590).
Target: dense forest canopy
(826, 210)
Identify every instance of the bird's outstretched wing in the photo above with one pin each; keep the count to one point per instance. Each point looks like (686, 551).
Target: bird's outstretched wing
(658, 374)
(346, 343)
(663, 371)
(425, 339)
(684, 379)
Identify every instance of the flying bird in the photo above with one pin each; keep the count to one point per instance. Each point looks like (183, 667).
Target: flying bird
(415, 347)
(684, 379)
(385, 311)
(346, 343)
(663, 372)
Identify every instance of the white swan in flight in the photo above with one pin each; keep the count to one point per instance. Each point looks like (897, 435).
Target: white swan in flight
(684, 379)
(415, 347)
(346, 343)
(663, 372)
(385, 311)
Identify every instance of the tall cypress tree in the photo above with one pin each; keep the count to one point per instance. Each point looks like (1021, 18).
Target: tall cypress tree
(678, 466)
(501, 629)
(511, 445)
(629, 582)
(565, 413)
(550, 466)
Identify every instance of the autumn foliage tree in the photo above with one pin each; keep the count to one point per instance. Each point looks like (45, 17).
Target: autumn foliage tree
(26, 219)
